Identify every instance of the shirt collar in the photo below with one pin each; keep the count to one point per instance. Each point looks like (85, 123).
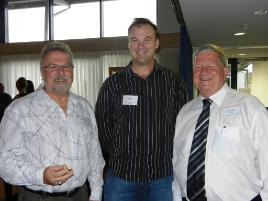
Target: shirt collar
(157, 68)
(40, 89)
(218, 97)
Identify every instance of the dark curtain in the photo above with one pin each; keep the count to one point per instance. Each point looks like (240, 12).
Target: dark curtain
(186, 69)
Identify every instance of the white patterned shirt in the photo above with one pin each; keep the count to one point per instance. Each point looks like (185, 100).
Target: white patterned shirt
(236, 161)
(36, 133)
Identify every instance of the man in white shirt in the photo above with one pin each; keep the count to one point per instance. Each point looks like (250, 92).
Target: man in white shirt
(48, 139)
(236, 147)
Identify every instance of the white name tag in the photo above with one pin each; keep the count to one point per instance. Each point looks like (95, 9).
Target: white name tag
(130, 100)
(230, 111)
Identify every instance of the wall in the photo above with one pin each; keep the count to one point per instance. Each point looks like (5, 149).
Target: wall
(166, 18)
(167, 23)
(169, 57)
(260, 81)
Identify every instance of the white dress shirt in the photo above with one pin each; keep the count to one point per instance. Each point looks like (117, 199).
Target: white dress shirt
(36, 133)
(236, 163)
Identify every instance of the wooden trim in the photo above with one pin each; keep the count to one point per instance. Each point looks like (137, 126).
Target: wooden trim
(168, 40)
(113, 70)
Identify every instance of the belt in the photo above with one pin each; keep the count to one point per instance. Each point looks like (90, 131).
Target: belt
(55, 194)
(257, 198)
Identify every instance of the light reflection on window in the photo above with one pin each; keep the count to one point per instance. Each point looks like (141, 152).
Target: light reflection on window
(78, 21)
(118, 15)
(26, 24)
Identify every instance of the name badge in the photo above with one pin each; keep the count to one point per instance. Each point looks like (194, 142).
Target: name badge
(230, 111)
(130, 100)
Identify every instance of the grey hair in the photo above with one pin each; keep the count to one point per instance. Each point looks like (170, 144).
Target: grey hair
(56, 46)
(211, 48)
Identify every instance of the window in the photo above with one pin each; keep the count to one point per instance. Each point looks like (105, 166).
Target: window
(119, 14)
(77, 21)
(28, 20)
(26, 24)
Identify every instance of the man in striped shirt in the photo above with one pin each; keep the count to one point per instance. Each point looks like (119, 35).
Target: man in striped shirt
(136, 112)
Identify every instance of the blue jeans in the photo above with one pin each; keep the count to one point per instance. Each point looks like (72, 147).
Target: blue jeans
(116, 189)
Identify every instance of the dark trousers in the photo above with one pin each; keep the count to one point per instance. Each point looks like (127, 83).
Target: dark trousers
(8, 191)
(257, 198)
(26, 195)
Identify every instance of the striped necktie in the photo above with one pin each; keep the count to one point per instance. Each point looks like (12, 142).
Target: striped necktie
(196, 163)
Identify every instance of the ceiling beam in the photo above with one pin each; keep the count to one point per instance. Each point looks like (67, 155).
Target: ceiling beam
(167, 40)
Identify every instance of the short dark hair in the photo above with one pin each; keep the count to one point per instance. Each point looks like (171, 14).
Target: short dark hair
(137, 22)
(2, 88)
(21, 83)
(30, 86)
(56, 46)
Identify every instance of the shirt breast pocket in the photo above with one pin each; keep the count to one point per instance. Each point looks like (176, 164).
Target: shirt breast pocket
(227, 141)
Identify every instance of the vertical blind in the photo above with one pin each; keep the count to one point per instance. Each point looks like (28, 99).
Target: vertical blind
(91, 69)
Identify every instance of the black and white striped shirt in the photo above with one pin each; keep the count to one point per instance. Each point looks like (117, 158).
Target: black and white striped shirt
(136, 122)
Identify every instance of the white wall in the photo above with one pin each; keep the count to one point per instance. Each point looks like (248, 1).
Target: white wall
(260, 81)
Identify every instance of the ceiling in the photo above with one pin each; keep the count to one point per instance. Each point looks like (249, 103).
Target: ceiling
(215, 21)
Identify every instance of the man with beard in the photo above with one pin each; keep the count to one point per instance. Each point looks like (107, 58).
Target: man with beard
(48, 140)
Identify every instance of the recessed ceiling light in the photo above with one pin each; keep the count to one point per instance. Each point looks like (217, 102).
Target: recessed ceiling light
(261, 12)
(253, 47)
(242, 54)
(240, 34)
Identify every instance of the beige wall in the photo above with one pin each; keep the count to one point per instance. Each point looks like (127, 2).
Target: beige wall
(259, 86)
